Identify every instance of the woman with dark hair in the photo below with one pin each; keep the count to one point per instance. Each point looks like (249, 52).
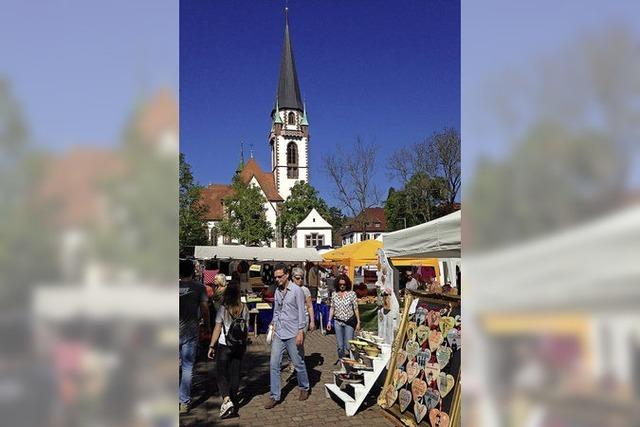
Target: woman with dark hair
(232, 317)
(344, 305)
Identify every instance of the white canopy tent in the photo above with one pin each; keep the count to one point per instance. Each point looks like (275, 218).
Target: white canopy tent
(259, 254)
(439, 238)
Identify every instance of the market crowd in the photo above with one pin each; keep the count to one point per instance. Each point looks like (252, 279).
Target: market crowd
(211, 305)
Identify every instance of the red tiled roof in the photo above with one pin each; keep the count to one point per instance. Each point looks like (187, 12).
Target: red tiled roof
(212, 197)
(73, 185)
(372, 216)
(160, 114)
(266, 180)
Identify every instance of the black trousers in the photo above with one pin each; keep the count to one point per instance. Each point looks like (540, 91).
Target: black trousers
(228, 372)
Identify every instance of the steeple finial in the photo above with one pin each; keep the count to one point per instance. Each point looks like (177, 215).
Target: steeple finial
(251, 150)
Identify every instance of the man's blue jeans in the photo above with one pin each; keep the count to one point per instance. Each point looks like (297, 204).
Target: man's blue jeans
(188, 348)
(344, 333)
(278, 347)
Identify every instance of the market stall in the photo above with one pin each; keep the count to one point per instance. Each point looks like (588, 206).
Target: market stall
(258, 261)
(422, 386)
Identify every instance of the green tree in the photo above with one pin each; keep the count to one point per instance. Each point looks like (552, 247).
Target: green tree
(421, 200)
(245, 219)
(302, 200)
(192, 211)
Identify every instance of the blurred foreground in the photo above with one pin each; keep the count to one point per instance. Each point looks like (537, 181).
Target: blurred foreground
(551, 218)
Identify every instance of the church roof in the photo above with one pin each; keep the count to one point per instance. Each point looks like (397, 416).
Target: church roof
(288, 88)
(266, 180)
(212, 197)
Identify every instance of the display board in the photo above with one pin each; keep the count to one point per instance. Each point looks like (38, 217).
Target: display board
(422, 387)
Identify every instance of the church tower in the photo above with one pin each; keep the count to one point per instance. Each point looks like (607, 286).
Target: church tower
(289, 136)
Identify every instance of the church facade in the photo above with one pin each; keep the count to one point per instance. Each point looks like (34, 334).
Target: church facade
(289, 147)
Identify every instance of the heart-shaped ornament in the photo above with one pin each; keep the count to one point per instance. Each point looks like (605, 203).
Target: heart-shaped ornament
(446, 323)
(433, 319)
(421, 315)
(413, 369)
(419, 410)
(431, 374)
(401, 357)
(405, 399)
(399, 378)
(411, 331)
(412, 349)
(423, 357)
(437, 418)
(391, 395)
(418, 388)
(422, 334)
(435, 339)
(443, 355)
(453, 336)
(431, 398)
(445, 383)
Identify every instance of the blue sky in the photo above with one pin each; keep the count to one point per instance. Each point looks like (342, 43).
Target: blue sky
(388, 72)
(77, 67)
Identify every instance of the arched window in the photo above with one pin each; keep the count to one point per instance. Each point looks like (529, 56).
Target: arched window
(291, 118)
(292, 161)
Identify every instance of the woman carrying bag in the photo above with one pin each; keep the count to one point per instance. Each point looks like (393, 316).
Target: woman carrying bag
(230, 334)
(344, 306)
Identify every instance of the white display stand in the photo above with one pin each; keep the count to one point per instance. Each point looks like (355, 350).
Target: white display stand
(361, 391)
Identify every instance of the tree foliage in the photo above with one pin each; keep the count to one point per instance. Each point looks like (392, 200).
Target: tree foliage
(435, 157)
(421, 200)
(192, 228)
(245, 218)
(302, 200)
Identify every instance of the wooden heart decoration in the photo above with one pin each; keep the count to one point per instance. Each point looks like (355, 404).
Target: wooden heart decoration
(422, 334)
(418, 388)
(453, 337)
(433, 319)
(413, 369)
(391, 395)
(412, 349)
(443, 355)
(399, 378)
(445, 383)
(411, 331)
(405, 399)
(437, 418)
(431, 398)
(401, 357)
(431, 374)
(423, 357)
(419, 410)
(435, 339)
(446, 323)
(421, 315)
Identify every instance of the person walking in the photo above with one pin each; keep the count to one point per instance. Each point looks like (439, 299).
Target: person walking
(289, 322)
(230, 334)
(344, 306)
(193, 306)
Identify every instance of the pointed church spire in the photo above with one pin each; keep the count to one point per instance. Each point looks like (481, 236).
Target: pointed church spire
(277, 118)
(241, 164)
(288, 88)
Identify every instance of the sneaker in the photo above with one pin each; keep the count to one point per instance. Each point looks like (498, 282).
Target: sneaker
(270, 403)
(226, 409)
(184, 408)
(304, 395)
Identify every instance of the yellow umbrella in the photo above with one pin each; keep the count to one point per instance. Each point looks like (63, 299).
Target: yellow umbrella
(355, 254)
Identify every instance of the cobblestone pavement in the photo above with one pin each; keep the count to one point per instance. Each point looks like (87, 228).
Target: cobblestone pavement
(316, 411)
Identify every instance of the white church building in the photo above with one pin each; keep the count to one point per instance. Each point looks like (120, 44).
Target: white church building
(289, 145)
